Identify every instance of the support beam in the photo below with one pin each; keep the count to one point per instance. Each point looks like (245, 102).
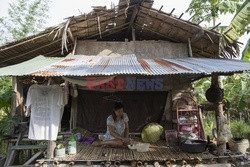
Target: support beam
(13, 99)
(160, 8)
(19, 98)
(220, 119)
(172, 11)
(133, 34)
(73, 116)
(33, 158)
(157, 33)
(190, 48)
(32, 50)
(200, 21)
(12, 153)
(215, 27)
(133, 19)
(181, 16)
(51, 148)
(191, 17)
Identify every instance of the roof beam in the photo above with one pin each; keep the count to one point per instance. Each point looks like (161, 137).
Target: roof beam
(182, 21)
(166, 37)
(133, 19)
(31, 50)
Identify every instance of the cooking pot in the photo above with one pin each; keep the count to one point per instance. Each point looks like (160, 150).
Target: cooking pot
(194, 146)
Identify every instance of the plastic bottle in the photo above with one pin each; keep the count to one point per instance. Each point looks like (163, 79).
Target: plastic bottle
(72, 145)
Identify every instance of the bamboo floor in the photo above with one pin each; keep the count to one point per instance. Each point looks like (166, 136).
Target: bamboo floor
(157, 152)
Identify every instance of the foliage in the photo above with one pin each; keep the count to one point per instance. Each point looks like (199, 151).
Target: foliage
(24, 18)
(246, 52)
(235, 30)
(238, 24)
(8, 123)
(208, 9)
(208, 122)
(201, 87)
(237, 91)
(60, 146)
(240, 129)
(5, 92)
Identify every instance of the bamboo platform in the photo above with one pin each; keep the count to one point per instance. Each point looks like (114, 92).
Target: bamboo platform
(158, 152)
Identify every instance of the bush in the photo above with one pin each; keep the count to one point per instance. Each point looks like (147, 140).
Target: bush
(239, 128)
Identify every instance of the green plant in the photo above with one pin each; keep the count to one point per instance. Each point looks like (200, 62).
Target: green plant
(239, 128)
(208, 123)
(8, 123)
(60, 146)
(208, 10)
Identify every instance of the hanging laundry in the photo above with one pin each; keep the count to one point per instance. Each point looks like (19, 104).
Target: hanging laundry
(46, 103)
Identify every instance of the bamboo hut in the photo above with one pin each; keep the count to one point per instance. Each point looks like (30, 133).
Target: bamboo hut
(133, 45)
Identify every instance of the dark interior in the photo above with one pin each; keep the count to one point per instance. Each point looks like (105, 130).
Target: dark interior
(141, 107)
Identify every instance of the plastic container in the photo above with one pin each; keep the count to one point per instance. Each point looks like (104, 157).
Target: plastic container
(132, 146)
(142, 147)
(72, 145)
(78, 137)
(60, 152)
(186, 129)
(170, 136)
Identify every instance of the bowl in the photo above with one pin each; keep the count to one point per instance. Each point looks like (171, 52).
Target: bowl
(142, 147)
(194, 146)
(132, 146)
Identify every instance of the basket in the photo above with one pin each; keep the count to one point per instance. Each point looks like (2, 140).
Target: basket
(238, 146)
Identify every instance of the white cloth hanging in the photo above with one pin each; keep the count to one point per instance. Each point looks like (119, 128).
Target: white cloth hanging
(46, 102)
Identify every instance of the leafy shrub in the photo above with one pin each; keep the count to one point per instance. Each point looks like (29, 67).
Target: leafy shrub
(240, 129)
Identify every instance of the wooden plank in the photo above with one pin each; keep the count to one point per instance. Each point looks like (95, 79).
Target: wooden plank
(33, 158)
(28, 147)
(12, 153)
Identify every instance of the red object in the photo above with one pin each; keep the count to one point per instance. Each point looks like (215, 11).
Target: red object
(187, 110)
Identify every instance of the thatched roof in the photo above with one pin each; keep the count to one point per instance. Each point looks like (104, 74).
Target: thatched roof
(113, 25)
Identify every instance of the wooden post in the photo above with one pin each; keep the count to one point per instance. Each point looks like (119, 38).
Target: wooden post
(190, 48)
(133, 34)
(73, 117)
(13, 99)
(51, 148)
(17, 97)
(219, 113)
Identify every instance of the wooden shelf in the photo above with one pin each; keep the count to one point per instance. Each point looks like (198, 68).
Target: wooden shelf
(186, 110)
(191, 123)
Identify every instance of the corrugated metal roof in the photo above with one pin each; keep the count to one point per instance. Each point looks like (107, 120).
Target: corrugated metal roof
(80, 65)
(28, 66)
